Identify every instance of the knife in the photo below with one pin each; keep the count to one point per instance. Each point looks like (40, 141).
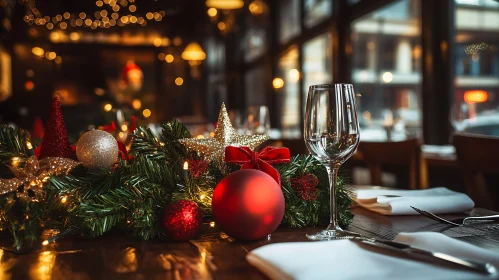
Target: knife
(482, 267)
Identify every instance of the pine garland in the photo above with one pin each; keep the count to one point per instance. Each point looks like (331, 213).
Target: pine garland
(131, 196)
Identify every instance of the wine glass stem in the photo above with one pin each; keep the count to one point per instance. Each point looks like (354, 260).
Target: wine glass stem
(332, 170)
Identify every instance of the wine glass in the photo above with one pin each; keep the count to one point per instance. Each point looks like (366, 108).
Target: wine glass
(332, 135)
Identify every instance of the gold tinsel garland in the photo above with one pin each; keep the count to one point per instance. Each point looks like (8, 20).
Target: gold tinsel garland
(34, 174)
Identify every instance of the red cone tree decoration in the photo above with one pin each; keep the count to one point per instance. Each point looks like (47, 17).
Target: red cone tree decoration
(56, 142)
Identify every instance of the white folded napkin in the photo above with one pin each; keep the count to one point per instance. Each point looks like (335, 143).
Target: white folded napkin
(398, 202)
(345, 259)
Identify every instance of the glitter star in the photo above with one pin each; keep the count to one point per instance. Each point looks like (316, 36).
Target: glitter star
(214, 148)
(35, 173)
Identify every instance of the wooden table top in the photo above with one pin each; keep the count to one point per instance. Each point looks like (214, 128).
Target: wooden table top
(210, 257)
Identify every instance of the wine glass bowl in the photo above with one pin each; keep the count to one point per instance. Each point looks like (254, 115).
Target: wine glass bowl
(331, 135)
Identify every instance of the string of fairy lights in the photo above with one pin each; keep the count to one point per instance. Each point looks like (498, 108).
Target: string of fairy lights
(110, 13)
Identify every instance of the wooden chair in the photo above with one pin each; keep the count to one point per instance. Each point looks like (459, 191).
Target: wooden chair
(377, 154)
(478, 160)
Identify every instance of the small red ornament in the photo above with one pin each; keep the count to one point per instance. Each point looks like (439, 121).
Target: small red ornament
(133, 75)
(197, 167)
(182, 220)
(55, 142)
(305, 186)
(248, 204)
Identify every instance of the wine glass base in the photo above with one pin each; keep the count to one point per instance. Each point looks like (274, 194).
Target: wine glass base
(331, 234)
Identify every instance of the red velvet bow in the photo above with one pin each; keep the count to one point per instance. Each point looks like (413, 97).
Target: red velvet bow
(262, 160)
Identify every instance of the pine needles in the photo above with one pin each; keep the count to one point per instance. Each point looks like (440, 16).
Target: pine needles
(131, 196)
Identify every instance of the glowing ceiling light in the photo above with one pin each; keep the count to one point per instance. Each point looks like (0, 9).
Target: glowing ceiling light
(74, 36)
(294, 75)
(193, 53)
(257, 7)
(136, 104)
(51, 55)
(38, 51)
(146, 113)
(169, 58)
(179, 81)
(157, 42)
(225, 4)
(54, 36)
(278, 83)
(221, 26)
(108, 107)
(212, 12)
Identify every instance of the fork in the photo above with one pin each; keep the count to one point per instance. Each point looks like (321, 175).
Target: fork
(458, 222)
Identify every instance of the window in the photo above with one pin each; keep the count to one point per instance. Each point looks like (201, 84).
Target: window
(289, 94)
(476, 95)
(289, 19)
(316, 11)
(387, 69)
(317, 62)
(254, 84)
(255, 42)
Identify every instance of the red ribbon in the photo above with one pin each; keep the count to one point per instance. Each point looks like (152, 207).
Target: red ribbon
(262, 160)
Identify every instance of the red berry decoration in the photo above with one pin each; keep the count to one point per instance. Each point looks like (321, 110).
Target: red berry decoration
(248, 204)
(182, 220)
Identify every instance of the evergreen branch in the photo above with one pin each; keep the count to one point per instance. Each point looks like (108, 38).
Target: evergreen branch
(13, 142)
(175, 151)
(132, 196)
(146, 144)
(300, 213)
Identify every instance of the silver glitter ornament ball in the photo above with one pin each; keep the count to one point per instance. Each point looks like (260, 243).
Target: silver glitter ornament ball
(97, 149)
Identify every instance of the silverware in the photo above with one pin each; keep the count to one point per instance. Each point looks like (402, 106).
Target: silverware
(458, 222)
(482, 267)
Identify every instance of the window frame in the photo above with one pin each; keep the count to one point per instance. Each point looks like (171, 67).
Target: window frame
(437, 46)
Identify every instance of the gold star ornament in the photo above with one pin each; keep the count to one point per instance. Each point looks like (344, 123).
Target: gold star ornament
(34, 174)
(214, 148)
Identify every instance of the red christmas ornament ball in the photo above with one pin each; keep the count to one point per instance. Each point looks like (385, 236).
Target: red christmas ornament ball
(248, 204)
(182, 220)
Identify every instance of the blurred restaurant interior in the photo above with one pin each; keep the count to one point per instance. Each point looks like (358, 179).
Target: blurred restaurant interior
(422, 70)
